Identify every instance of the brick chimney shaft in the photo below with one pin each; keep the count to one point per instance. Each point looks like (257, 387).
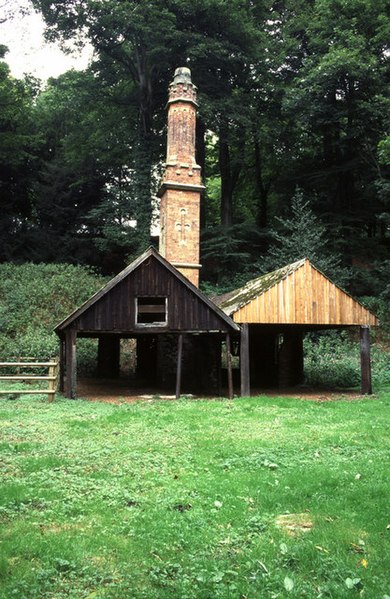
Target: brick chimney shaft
(181, 187)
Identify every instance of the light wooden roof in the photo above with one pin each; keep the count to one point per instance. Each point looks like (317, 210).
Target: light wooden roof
(295, 294)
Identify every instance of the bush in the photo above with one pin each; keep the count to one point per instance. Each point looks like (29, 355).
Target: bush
(34, 298)
(332, 359)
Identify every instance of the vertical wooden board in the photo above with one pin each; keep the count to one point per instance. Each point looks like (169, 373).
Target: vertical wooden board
(303, 303)
(272, 304)
(290, 297)
(337, 306)
(275, 303)
(313, 298)
(279, 300)
(320, 301)
(297, 297)
(308, 293)
(260, 301)
(257, 303)
(326, 285)
(332, 303)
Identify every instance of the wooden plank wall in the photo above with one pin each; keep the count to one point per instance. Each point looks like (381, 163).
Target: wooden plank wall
(305, 297)
(115, 311)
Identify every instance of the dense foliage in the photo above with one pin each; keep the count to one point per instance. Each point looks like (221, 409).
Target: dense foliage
(34, 298)
(291, 94)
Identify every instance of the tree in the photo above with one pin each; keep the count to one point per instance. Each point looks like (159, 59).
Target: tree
(337, 73)
(303, 235)
(144, 43)
(17, 145)
(86, 198)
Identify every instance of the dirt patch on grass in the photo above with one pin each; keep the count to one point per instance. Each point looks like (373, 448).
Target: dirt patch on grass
(119, 391)
(294, 524)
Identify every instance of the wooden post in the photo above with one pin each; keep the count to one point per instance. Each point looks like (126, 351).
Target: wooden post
(365, 360)
(229, 367)
(179, 365)
(244, 361)
(53, 373)
(62, 365)
(71, 364)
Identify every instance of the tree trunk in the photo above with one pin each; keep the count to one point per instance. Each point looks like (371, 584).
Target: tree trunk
(226, 178)
(201, 160)
(143, 155)
(261, 189)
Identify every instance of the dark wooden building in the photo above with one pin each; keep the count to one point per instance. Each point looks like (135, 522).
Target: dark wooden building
(170, 319)
(276, 309)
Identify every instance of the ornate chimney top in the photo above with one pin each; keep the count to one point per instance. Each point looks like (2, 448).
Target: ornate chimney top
(182, 89)
(182, 75)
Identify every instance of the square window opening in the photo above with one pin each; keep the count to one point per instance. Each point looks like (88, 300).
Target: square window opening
(152, 311)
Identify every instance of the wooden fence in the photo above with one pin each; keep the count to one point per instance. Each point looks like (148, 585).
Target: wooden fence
(51, 377)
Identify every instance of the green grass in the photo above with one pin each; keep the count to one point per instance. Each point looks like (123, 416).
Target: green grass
(179, 499)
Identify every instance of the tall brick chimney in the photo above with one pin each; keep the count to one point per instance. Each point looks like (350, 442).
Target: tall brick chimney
(181, 187)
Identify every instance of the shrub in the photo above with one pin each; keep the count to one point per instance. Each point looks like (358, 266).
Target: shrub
(34, 298)
(332, 359)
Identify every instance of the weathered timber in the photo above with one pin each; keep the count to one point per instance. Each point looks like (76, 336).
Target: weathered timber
(297, 294)
(365, 360)
(51, 378)
(179, 365)
(113, 308)
(62, 365)
(71, 364)
(113, 313)
(28, 377)
(27, 364)
(244, 361)
(229, 366)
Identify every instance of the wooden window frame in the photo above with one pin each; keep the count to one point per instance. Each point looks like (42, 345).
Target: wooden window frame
(161, 308)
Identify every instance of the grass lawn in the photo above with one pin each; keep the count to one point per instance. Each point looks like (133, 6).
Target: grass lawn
(182, 499)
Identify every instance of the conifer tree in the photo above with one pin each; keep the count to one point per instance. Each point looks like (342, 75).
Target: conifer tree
(303, 235)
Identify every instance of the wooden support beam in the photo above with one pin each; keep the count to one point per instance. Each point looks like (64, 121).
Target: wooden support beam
(229, 366)
(244, 361)
(62, 366)
(179, 365)
(53, 372)
(365, 360)
(71, 364)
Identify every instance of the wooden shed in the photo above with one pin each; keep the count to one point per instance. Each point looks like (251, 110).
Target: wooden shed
(274, 312)
(152, 302)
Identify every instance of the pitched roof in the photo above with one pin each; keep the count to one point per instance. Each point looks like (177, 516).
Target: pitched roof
(151, 252)
(233, 300)
(298, 293)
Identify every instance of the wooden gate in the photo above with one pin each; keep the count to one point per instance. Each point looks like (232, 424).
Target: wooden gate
(51, 377)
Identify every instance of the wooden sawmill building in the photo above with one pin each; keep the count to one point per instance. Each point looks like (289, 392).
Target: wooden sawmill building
(177, 329)
(277, 309)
